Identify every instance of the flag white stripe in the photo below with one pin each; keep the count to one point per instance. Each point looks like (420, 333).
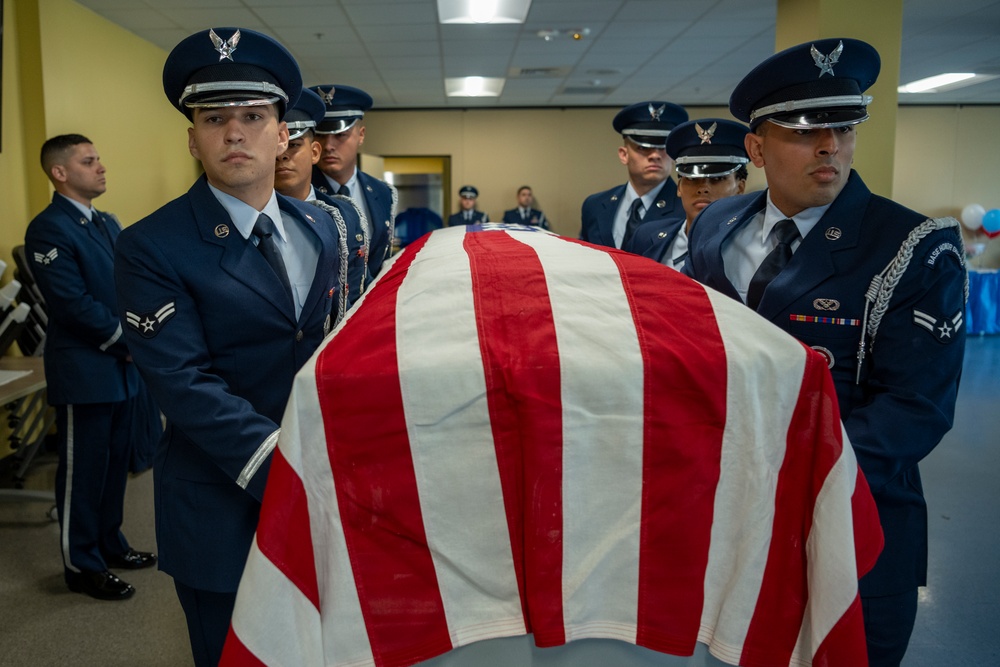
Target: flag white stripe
(303, 444)
(760, 399)
(602, 434)
(291, 620)
(831, 567)
(451, 442)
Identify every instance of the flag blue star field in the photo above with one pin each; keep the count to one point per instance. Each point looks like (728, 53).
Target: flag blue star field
(515, 432)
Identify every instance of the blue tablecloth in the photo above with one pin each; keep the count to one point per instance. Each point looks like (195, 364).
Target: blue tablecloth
(981, 314)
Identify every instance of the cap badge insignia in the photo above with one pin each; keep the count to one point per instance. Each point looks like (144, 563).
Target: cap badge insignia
(328, 95)
(826, 63)
(147, 325)
(48, 257)
(833, 233)
(655, 113)
(227, 48)
(221, 231)
(706, 135)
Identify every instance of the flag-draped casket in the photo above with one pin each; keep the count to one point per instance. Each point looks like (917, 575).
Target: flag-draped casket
(514, 432)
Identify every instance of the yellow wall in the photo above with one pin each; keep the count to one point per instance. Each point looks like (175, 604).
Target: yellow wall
(66, 69)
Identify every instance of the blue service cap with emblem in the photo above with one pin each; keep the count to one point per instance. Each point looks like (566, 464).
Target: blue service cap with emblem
(818, 84)
(345, 106)
(708, 147)
(305, 115)
(468, 192)
(227, 67)
(649, 123)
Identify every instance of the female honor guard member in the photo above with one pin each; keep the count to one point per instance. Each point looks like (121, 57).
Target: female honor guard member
(226, 292)
(877, 288)
(710, 162)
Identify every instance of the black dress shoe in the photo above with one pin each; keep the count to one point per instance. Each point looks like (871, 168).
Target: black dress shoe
(100, 585)
(132, 560)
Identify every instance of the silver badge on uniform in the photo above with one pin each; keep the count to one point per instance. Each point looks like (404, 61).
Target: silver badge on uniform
(149, 324)
(945, 329)
(47, 258)
(826, 304)
(222, 231)
(310, 219)
(826, 353)
(226, 49)
(83, 221)
(826, 63)
(661, 235)
(661, 204)
(655, 113)
(614, 197)
(833, 233)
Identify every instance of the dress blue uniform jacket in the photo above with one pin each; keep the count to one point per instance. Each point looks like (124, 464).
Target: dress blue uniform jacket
(380, 198)
(598, 212)
(358, 275)
(904, 403)
(216, 338)
(456, 219)
(535, 218)
(73, 263)
(653, 239)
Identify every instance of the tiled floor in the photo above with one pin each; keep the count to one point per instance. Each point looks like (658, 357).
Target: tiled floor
(958, 622)
(41, 623)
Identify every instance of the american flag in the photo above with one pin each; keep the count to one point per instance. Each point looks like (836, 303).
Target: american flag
(514, 432)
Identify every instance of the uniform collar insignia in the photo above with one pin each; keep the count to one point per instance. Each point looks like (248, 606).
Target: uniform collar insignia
(655, 113)
(826, 63)
(328, 95)
(706, 135)
(227, 48)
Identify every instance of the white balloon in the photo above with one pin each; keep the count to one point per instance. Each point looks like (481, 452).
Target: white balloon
(972, 216)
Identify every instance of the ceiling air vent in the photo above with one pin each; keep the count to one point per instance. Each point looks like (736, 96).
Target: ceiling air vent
(586, 90)
(537, 72)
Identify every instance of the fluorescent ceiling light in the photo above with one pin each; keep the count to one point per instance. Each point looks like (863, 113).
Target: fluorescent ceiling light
(943, 82)
(474, 86)
(483, 11)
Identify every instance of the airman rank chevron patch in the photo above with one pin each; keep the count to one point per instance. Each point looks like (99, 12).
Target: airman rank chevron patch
(150, 324)
(945, 329)
(47, 258)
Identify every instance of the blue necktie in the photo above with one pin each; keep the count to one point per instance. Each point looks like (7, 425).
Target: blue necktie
(633, 222)
(786, 233)
(263, 230)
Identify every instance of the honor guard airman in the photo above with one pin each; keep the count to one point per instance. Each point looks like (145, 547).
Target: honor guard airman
(91, 380)
(224, 292)
(292, 178)
(467, 213)
(526, 213)
(710, 161)
(610, 218)
(341, 135)
(877, 289)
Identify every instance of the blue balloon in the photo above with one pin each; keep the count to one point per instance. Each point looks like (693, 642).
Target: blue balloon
(991, 221)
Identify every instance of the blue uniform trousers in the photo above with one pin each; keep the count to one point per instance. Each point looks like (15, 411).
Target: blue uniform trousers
(889, 622)
(94, 452)
(208, 615)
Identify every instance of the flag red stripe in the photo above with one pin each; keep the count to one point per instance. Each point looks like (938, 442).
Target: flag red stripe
(365, 425)
(845, 643)
(235, 653)
(283, 534)
(521, 363)
(866, 526)
(684, 402)
(784, 591)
